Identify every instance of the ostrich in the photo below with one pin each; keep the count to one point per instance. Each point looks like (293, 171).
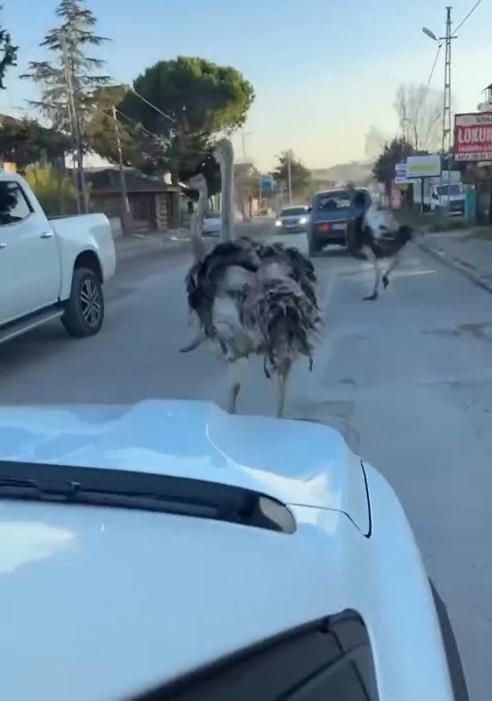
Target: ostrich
(250, 298)
(378, 235)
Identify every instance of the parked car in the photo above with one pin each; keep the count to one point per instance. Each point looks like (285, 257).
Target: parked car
(211, 224)
(169, 550)
(50, 269)
(332, 214)
(293, 220)
(450, 198)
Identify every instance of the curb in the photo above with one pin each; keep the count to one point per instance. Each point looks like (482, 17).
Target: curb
(465, 269)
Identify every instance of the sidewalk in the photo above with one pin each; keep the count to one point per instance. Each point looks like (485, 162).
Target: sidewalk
(469, 251)
(136, 244)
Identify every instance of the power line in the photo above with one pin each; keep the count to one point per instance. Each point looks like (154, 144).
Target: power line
(434, 64)
(150, 104)
(468, 15)
(160, 139)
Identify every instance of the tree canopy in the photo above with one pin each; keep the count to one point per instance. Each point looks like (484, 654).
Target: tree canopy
(68, 82)
(300, 175)
(195, 100)
(8, 53)
(394, 152)
(26, 142)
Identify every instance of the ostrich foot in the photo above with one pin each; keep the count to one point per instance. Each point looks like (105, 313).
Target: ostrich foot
(370, 298)
(386, 281)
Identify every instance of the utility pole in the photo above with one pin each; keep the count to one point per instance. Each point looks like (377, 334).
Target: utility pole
(446, 112)
(127, 214)
(77, 132)
(289, 174)
(243, 139)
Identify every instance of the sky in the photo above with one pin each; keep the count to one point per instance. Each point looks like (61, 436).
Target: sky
(324, 71)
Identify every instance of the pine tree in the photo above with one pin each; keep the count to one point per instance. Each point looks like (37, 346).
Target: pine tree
(70, 81)
(8, 53)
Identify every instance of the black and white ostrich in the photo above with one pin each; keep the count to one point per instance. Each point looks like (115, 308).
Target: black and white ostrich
(379, 235)
(250, 298)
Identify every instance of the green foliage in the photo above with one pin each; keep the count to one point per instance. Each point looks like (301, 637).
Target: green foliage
(26, 142)
(200, 100)
(394, 152)
(139, 149)
(8, 53)
(300, 175)
(56, 192)
(70, 70)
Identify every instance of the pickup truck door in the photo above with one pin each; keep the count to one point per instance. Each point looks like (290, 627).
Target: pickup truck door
(29, 258)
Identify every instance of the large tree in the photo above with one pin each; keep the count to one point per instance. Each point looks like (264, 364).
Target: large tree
(8, 53)
(394, 152)
(185, 103)
(110, 129)
(69, 81)
(26, 142)
(300, 175)
(419, 110)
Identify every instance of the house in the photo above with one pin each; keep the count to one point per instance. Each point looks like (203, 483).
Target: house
(154, 204)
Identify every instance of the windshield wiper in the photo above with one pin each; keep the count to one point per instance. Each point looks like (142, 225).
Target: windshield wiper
(140, 490)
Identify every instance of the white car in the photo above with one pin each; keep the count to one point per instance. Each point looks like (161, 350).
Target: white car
(172, 551)
(50, 269)
(293, 219)
(211, 225)
(448, 197)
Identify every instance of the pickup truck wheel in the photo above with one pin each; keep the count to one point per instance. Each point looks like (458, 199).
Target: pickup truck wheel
(84, 312)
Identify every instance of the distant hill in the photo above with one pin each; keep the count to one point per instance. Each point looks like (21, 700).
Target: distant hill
(357, 172)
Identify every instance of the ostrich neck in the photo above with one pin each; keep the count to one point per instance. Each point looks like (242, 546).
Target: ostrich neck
(227, 216)
(197, 223)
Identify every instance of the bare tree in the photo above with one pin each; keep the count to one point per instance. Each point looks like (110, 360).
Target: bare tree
(419, 110)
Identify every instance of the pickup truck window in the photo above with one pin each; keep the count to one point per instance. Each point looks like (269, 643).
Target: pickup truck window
(14, 206)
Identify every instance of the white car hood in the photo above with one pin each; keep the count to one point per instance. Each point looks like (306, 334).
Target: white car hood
(294, 461)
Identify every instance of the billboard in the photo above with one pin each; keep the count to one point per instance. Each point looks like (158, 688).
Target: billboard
(424, 166)
(473, 136)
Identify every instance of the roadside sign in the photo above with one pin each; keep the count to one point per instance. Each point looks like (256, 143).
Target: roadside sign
(401, 170)
(424, 166)
(473, 136)
(266, 182)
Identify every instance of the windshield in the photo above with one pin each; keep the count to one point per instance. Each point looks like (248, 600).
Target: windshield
(333, 201)
(292, 211)
(452, 190)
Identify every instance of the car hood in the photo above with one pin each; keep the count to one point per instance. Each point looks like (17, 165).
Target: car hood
(98, 603)
(297, 462)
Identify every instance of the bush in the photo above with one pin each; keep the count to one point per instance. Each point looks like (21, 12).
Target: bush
(55, 192)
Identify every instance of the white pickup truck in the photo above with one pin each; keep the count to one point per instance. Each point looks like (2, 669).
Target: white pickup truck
(50, 269)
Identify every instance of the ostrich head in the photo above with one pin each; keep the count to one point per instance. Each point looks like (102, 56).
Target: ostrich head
(224, 152)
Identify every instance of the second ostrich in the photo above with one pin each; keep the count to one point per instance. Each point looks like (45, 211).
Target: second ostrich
(250, 298)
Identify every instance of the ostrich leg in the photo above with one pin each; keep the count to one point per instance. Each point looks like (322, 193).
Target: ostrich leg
(283, 376)
(389, 269)
(236, 368)
(371, 257)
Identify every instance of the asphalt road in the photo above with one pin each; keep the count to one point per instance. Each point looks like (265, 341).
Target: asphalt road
(408, 380)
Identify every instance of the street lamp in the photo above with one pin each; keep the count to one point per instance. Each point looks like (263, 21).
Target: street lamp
(430, 34)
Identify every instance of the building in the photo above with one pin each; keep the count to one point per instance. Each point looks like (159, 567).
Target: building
(154, 204)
